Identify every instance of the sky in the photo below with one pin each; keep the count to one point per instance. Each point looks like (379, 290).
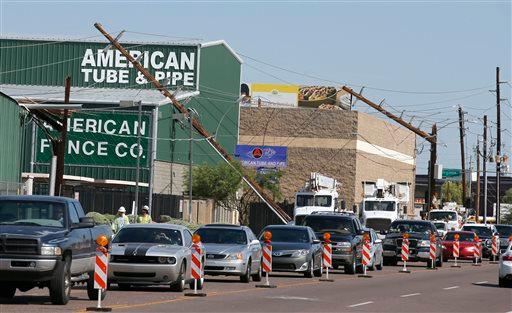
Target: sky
(425, 58)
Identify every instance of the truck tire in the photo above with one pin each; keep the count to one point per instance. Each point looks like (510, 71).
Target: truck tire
(390, 261)
(246, 277)
(91, 292)
(7, 292)
(60, 285)
(179, 284)
(258, 276)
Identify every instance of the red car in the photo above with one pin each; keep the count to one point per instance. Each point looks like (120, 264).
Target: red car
(466, 245)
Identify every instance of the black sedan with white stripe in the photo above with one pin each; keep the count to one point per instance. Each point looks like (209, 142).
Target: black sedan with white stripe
(151, 254)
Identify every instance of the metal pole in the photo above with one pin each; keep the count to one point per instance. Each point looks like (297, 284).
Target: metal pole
(498, 145)
(137, 173)
(154, 134)
(33, 148)
(53, 171)
(99, 299)
(190, 168)
(485, 169)
(477, 199)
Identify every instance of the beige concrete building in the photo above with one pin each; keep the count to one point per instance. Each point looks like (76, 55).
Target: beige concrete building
(350, 146)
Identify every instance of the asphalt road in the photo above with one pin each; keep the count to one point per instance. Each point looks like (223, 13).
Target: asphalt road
(466, 289)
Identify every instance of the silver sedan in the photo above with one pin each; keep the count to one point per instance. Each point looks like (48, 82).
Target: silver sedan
(151, 254)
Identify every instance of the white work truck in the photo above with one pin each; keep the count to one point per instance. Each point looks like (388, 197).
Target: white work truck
(318, 195)
(383, 203)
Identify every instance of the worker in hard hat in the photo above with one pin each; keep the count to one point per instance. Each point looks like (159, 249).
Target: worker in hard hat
(144, 218)
(121, 220)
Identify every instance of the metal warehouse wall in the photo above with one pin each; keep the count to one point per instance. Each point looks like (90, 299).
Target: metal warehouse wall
(10, 141)
(219, 84)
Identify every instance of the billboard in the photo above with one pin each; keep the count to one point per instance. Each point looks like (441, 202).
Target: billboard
(261, 156)
(46, 63)
(275, 95)
(99, 138)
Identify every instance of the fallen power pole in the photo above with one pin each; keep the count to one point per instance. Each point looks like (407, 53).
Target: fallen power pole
(196, 124)
(432, 138)
(462, 155)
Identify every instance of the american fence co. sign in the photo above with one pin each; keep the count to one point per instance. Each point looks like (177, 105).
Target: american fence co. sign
(47, 63)
(99, 138)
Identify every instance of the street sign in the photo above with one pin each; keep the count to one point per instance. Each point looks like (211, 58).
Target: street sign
(261, 156)
(100, 138)
(451, 173)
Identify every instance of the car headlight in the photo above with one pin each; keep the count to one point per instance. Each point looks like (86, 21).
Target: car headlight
(166, 260)
(488, 242)
(388, 241)
(236, 256)
(424, 243)
(299, 253)
(51, 250)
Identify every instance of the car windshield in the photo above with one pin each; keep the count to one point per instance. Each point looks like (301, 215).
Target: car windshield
(409, 227)
(310, 200)
(481, 231)
(149, 235)
(321, 224)
(462, 236)
(32, 213)
(442, 216)
(440, 226)
(222, 236)
(379, 206)
(287, 235)
(504, 230)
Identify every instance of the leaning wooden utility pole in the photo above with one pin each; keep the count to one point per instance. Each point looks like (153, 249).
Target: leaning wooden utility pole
(432, 138)
(462, 155)
(196, 124)
(60, 144)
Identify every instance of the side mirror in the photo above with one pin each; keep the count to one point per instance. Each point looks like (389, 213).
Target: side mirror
(255, 242)
(378, 241)
(85, 222)
(316, 241)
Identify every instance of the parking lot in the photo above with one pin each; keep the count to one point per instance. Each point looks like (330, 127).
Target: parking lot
(466, 289)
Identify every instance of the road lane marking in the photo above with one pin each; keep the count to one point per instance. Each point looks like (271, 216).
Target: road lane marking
(360, 304)
(292, 298)
(452, 287)
(481, 282)
(410, 295)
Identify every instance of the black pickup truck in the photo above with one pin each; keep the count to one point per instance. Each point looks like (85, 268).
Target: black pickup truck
(46, 242)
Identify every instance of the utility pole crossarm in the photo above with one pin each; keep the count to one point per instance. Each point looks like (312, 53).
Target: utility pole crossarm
(395, 118)
(195, 123)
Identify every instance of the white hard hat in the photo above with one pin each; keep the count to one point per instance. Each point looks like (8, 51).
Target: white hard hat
(145, 208)
(122, 210)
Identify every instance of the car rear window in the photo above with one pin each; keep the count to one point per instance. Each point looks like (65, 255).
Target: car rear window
(288, 235)
(222, 236)
(321, 224)
(149, 235)
(479, 230)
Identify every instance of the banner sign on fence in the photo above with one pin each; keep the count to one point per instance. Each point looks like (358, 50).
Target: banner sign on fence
(100, 138)
(261, 156)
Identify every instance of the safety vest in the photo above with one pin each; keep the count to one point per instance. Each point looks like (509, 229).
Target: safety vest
(120, 222)
(141, 219)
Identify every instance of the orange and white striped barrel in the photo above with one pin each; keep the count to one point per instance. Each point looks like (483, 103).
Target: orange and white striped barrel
(433, 251)
(476, 250)
(196, 268)
(405, 249)
(327, 255)
(456, 248)
(494, 245)
(267, 257)
(367, 256)
(100, 269)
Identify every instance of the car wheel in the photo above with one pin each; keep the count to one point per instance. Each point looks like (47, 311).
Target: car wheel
(445, 259)
(258, 276)
(371, 267)
(380, 265)
(390, 261)
(60, 285)
(309, 272)
(7, 292)
(318, 272)
(179, 284)
(246, 278)
(502, 282)
(91, 292)
(351, 267)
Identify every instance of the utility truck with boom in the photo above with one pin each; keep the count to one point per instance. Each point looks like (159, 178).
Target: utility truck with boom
(383, 203)
(318, 195)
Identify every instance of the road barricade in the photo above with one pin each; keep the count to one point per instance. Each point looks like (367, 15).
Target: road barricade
(405, 253)
(455, 249)
(433, 252)
(100, 272)
(494, 248)
(476, 251)
(267, 260)
(197, 267)
(327, 257)
(367, 255)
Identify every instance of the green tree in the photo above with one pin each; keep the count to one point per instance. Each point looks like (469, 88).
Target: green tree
(451, 192)
(507, 198)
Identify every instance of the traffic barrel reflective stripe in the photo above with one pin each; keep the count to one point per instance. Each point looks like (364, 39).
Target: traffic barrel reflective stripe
(433, 250)
(100, 270)
(327, 255)
(405, 249)
(476, 251)
(456, 249)
(494, 245)
(367, 257)
(196, 268)
(267, 258)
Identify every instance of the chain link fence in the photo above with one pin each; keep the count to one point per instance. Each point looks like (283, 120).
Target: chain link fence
(9, 188)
